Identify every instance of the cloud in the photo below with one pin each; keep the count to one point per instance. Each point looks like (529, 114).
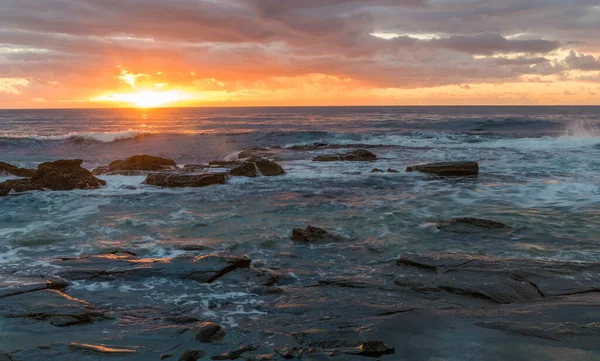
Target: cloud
(248, 43)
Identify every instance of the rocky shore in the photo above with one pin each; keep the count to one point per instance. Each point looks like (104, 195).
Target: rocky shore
(329, 296)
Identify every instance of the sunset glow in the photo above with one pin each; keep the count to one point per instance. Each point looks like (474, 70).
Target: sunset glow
(330, 52)
(146, 99)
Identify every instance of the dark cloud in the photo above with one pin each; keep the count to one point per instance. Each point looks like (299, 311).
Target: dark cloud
(582, 62)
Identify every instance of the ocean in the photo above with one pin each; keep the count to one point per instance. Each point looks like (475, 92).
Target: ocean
(539, 174)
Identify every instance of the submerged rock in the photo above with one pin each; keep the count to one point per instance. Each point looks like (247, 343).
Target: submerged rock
(60, 175)
(9, 169)
(191, 355)
(135, 165)
(468, 225)
(359, 155)
(389, 170)
(313, 234)
(185, 179)
(208, 332)
(449, 169)
(234, 355)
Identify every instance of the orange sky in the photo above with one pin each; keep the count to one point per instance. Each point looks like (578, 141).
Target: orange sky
(147, 53)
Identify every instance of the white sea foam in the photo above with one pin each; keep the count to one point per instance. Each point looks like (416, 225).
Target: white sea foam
(103, 137)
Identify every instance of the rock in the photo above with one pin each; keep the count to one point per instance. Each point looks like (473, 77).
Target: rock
(53, 283)
(194, 167)
(182, 319)
(224, 163)
(468, 225)
(247, 169)
(18, 186)
(165, 356)
(313, 234)
(257, 166)
(55, 307)
(501, 280)
(268, 168)
(258, 152)
(449, 169)
(376, 170)
(234, 355)
(101, 349)
(266, 290)
(208, 332)
(359, 155)
(390, 170)
(368, 348)
(185, 179)
(136, 163)
(60, 175)
(9, 169)
(205, 268)
(191, 355)
(288, 353)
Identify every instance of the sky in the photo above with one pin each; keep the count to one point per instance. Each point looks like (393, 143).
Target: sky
(107, 53)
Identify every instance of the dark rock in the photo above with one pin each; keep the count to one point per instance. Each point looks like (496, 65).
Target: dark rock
(191, 355)
(288, 353)
(54, 283)
(51, 306)
(137, 163)
(182, 320)
(194, 167)
(266, 290)
(376, 170)
(165, 356)
(258, 152)
(359, 155)
(390, 170)
(9, 169)
(234, 355)
(502, 280)
(224, 163)
(313, 234)
(185, 179)
(101, 349)
(205, 268)
(268, 168)
(208, 332)
(60, 175)
(449, 169)
(248, 169)
(467, 225)
(369, 348)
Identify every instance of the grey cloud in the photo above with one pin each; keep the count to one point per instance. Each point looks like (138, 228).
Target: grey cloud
(582, 62)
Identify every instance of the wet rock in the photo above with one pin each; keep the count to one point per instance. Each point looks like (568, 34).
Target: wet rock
(556, 331)
(185, 179)
(60, 175)
(194, 167)
(182, 319)
(224, 163)
(261, 357)
(101, 349)
(265, 290)
(258, 152)
(468, 225)
(51, 306)
(390, 170)
(207, 332)
(359, 155)
(234, 355)
(136, 163)
(313, 234)
(165, 356)
(502, 280)
(369, 348)
(288, 353)
(252, 276)
(449, 169)
(191, 355)
(268, 168)
(248, 169)
(9, 169)
(54, 283)
(204, 268)
(376, 170)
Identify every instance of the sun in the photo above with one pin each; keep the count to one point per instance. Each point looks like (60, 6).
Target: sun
(147, 98)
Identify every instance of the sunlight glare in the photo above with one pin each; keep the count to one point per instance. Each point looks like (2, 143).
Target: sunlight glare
(147, 98)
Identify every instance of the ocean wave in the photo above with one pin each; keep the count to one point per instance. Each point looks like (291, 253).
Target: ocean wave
(101, 137)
